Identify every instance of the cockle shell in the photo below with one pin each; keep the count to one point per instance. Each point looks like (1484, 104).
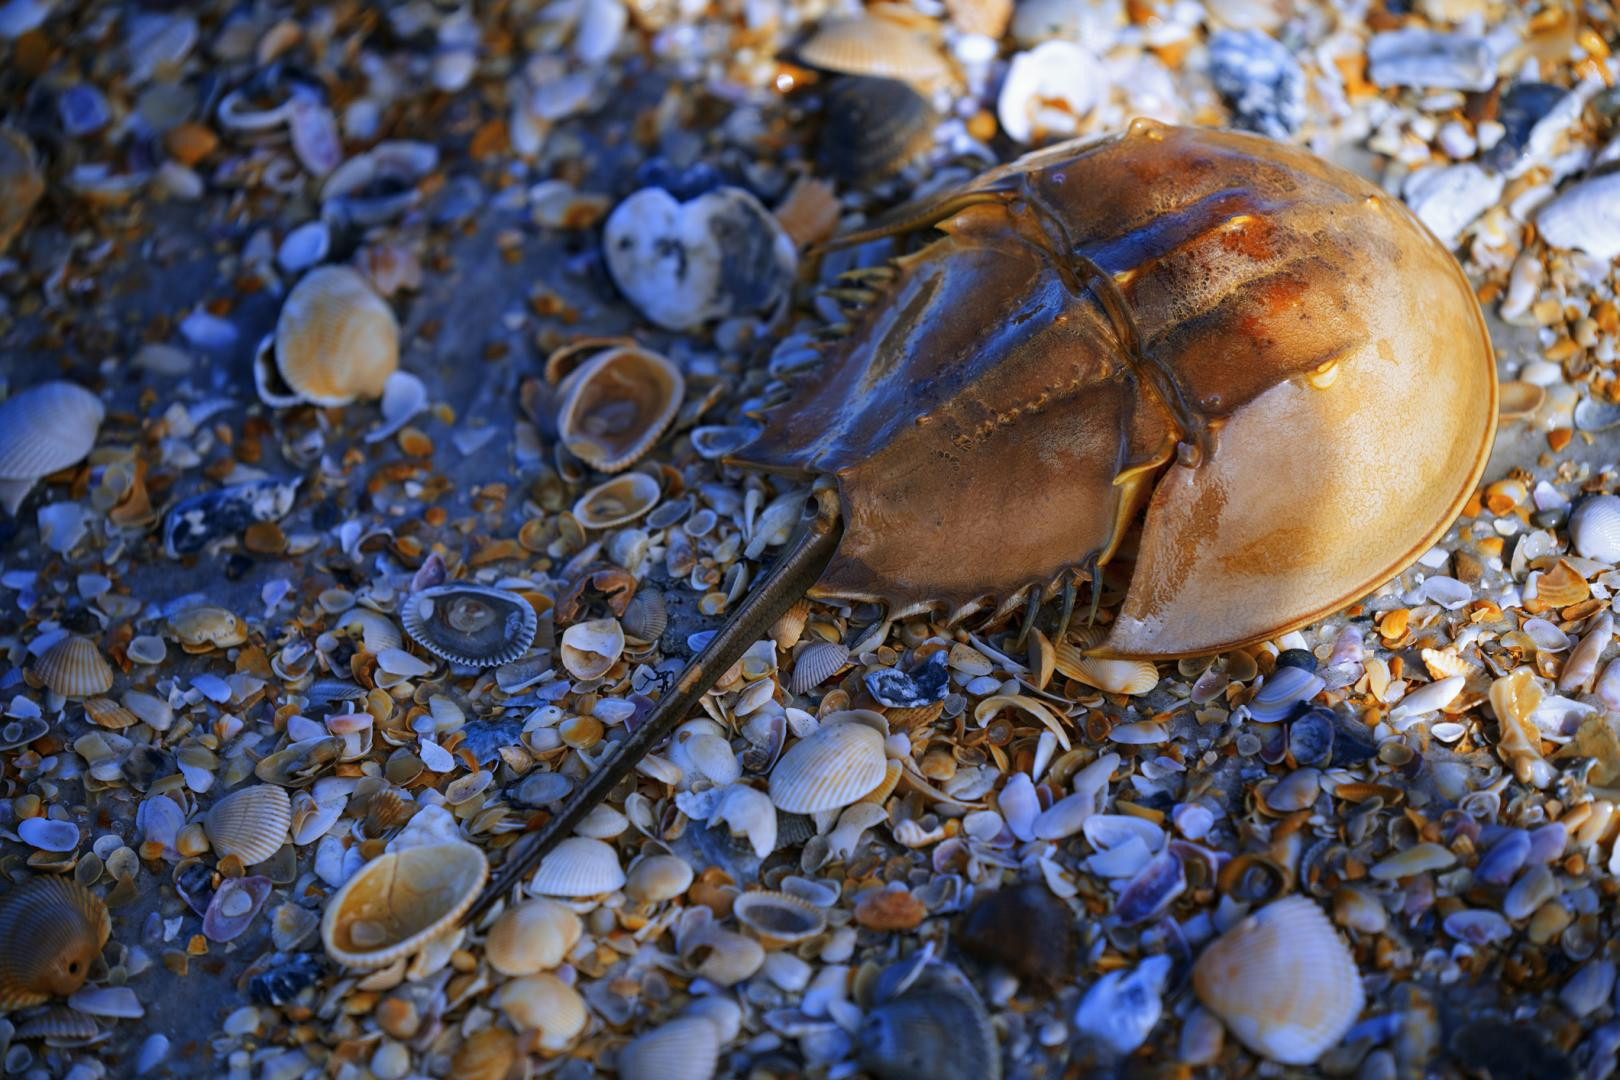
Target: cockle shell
(646, 616)
(546, 1004)
(400, 901)
(1283, 981)
(590, 649)
(867, 45)
(46, 428)
(616, 404)
(1111, 676)
(937, 1028)
(51, 931)
(251, 823)
(684, 1049)
(206, 627)
(578, 867)
(873, 127)
(778, 918)
(1594, 528)
(20, 183)
(829, 769)
(617, 502)
(470, 624)
(489, 1054)
(75, 668)
(532, 937)
(336, 340)
(816, 663)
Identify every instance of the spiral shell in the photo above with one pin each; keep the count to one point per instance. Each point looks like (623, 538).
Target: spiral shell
(75, 668)
(818, 662)
(778, 918)
(616, 404)
(576, 867)
(46, 428)
(51, 931)
(531, 937)
(251, 823)
(829, 769)
(683, 1049)
(617, 502)
(468, 624)
(400, 901)
(336, 339)
(1282, 981)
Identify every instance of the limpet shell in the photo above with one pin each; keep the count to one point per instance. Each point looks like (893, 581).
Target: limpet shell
(778, 918)
(873, 127)
(400, 901)
(617, 502)
(818, 662)
(829, 769)
(336, 339)
(1282, 981)
(51, 931)
(46, 428)
(683, 1049)
(578, 867)
(616, 405)
(472, 625)
(532, 937)
(21, 184)
(590, 649)
(867, 45)
(251, 823)
(75, 668)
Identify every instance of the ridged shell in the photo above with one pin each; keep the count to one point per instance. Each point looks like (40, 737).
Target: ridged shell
(865, 45)
(578, 866)
(59, 1025)
(829, 769)
(336, 339)
(617, 502)
(107, 713)
(1110, 676)
(646, 616)
(777, 918)
(376, 630)
(818, 662)
(1594, 528)
(20, 184)
(531, 937)
(545, 1004)
(486, 1055)
(470, 624)
(683, 1049)
(616, 404)
(873, 126)
(1282, 981)
(400, 901)
(46, 428)
(935, 1029)
(51, 931)
(251, 823)
(75, 668)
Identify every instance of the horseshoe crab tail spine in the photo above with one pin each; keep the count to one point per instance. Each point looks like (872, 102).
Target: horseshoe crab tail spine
(799, 567)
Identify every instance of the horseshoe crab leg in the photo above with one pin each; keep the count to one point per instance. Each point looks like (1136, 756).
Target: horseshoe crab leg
(798, 568)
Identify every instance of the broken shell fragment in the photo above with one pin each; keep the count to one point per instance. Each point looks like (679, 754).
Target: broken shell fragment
(336, 340)
(51, 931)
(532, 937)
(251, 823)
(400, 901)
(590, 649)
(829, 769)
(44, 429)
(617, 502)
(194, 523)
(472, 625)
(616, 405)
(578, 867)
(234, 906)
(203, 628)
(1049, 91)
(75, 668)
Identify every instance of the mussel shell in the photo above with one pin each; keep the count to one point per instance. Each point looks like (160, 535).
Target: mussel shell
(400, 901)
(51, 931)
(938, 1029)
(473, 625)
(46, 428)
(872, 128)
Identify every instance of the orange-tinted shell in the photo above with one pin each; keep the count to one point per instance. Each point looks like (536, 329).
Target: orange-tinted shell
(336, 339)
(51, 931)
(1311, 402)
(20, 184)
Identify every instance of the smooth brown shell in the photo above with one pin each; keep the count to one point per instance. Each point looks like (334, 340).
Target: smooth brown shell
(51, 931)
(1311, 401)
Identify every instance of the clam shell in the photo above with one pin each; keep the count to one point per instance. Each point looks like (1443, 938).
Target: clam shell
(646, 616)
(683, 1049)
(473, 625)
(234, 906)
(75, 668)
(20, 184)
(336, 339)
(400, 901)
(486, 1055)
(590, 649)
(51, 931)
(818, 662)
(1594, 528)
(828, 770)
(777, 918)
(866, 45)
(873, 127)
(1111, 676)
(616, 404)
(577, 867)
(208, 627)
(546, 1004)
(657, 878)
(46, 428)
(531, 937)
(936, 1029)
(251, 823)
(617, 502)
(1282, 981)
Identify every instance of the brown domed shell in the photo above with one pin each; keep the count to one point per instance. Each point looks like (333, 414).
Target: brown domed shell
(336, 339)
(470, 624)
(616, 404)
(873, 126)
(400, 901)
(75, 668)
(51, 931)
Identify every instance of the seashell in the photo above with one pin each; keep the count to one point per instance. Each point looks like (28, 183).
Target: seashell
(59, 1026)
(646, 616)
(532, 937)
(658, 878)
(1282, 692)
(1593, 415)
(44, 429)
(400, 901)
(748, 812)
(938, 1029)
(21, 731)
(1049, 91)
(1558, 588)
(721, 956)
(251, 824)
(21, 184)
(816, 663)
(1519, 400)
(1310, 737)
(778, 919)
(1121, 1008)
(75, 668)
(829, 769)
(489, 1054)
(714, 441)
(1477, 926)
(107, 713)
(336, 339)
(234, 907)
(684, 1049)
(376, 631)
(923, 685)
(616, 405)
(192, 524)
(578, 867)
(471, 625)
(1110, 676)
(48, 834)
(590, 649)
(543, 1003)
(1152, 889)
(617, 502)
(206, 627)
(1429, 698)
(873, 127)
(51, 932)
(1282, 981)
(1594, 528)
(300, 762)
(868, 45)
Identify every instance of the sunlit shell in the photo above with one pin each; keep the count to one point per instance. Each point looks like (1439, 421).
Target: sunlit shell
(865, 45)
(400, 901)
(208, 627)
(1594, 528)
(1520, 399)
(873, 127)
(818, 662)
(533, 936)
(1049, 91)
(46, 428)
(1559, 587)
(21, 184)
(777, 918)
(589, 649)
(616, 404)
(1282, 981)
(543, 1003)
(51, 931)
(577, 867)
(1113, 676)
(617, 502)
(251, 823)
(468, 624)
(336, 339)
(683, 1049)
(75, 668)
(829, 769)
(657, 878)
(489, 1054)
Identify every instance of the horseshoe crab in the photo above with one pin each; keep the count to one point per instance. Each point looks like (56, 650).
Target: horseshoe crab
(1241, 374)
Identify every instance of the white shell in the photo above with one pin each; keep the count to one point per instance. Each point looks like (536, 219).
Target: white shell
(1048, 91)
(1283, 981)
(546, 1004)
(578, 866)
(618, 501)
(829, 770)
(251, 823)
(816, 663)
(684, 1049)
(1594, 528)
(531, 937)
(748, 811)
(46, 428)
(589, 649)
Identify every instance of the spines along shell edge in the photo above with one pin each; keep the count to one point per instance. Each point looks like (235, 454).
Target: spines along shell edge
(468, 624)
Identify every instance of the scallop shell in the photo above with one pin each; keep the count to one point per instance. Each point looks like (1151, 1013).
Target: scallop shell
(531, 937)
(617, 502)
(873, 127)
(590, 649)
(51, 931)
(866, 45)
(251, 823)
(818, 662)
(1594, 528)
(1282, 981)
(400, 901)
(617, 404)
(683, 1049)
(107, 713)
(46, 428)
(777, 918)
(829, 769)
(646, 616)
(20, 184)
(336, 339)
(473, 625)
(75, 668)
(576, 867)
